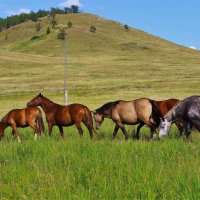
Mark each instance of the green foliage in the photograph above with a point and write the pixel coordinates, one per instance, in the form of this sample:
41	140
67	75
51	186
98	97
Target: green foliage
69	24
126	27
93	29
35	37
61	35
34	16
38	27
53	22
48	31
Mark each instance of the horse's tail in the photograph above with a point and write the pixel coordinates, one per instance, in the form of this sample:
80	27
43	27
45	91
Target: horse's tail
156	114
87	120
40	122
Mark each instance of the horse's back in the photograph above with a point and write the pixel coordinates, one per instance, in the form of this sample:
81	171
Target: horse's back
67	115
132	112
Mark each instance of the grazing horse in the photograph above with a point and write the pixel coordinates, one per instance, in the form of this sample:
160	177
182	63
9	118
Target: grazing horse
187	110
64	115
22	118
164	106
128	112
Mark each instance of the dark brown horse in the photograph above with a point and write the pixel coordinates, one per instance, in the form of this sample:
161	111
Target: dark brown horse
22	118
64	115
164	106
129	112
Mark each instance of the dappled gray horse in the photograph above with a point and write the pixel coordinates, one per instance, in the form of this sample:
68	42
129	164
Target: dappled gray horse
187	110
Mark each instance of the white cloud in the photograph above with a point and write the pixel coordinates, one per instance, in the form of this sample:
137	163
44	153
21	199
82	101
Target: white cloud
192	47
17	12
69	3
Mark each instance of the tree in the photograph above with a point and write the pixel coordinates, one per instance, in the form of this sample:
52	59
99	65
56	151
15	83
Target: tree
93	29
48	30
61	35
74	9
53	22
66	10
126	27
38	27
69	24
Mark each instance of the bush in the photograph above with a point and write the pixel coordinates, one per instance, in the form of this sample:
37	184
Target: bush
61	35
48	30
38	27
126	27
69	24
93	29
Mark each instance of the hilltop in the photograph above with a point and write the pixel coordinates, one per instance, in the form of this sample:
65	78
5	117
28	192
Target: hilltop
110	37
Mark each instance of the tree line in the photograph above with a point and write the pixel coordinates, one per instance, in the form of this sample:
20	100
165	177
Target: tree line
6	23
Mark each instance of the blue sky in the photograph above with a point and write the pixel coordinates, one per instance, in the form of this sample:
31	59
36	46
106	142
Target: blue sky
174	20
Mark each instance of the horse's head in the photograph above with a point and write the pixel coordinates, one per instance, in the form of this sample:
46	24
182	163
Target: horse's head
165	126
36	101
98	118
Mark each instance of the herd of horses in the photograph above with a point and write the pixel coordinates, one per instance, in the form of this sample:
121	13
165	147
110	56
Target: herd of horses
185	114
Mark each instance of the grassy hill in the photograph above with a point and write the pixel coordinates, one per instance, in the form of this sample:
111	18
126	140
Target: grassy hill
124	64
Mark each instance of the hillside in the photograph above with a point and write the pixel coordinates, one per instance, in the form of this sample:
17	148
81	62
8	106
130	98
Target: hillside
110	37
112	61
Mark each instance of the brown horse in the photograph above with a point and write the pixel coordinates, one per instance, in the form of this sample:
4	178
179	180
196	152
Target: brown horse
129	112
22	118
164	106
64	115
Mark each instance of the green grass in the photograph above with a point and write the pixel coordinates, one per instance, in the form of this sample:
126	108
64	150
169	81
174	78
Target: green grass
79	168
108	65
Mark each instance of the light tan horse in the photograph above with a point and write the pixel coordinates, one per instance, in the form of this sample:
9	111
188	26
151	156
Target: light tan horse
22	118
129	112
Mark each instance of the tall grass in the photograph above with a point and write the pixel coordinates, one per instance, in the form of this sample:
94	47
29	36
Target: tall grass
78	168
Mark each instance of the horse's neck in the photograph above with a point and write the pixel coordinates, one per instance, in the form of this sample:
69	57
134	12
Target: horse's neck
107	113
172	115
4	119
47	105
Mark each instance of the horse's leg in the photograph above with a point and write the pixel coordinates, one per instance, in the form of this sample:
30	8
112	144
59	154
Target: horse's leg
138	130
36	130
61	131
151	126
180	127
78	126
14	127
115	131
50	127
13	133
197	124
121	126
188	128
90	129
153	130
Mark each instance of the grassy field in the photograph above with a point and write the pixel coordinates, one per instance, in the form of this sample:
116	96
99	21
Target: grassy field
109	65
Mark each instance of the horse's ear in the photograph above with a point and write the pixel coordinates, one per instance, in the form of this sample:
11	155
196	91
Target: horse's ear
40	95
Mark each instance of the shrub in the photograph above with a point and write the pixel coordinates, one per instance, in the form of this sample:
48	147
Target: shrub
93	29
69	24
61	35
48	30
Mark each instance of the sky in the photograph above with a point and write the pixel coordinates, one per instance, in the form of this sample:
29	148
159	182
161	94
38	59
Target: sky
174	20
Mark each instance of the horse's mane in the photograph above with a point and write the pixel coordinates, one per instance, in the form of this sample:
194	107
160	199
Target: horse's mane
48	100
4	119
107	106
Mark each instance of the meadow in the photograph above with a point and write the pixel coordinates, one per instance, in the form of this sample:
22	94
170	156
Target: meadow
102	67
